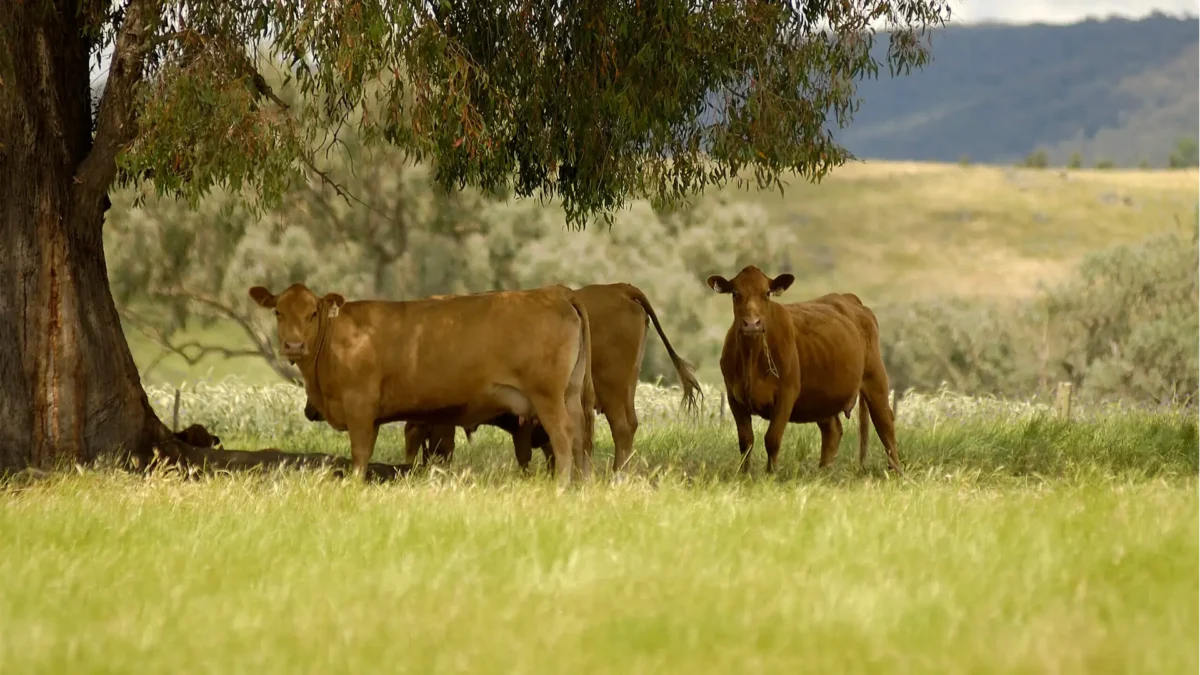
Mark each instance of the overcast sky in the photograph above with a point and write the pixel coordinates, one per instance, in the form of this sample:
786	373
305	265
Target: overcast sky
1064	11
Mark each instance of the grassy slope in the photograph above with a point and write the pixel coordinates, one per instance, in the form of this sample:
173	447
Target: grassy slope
1016	544
890	231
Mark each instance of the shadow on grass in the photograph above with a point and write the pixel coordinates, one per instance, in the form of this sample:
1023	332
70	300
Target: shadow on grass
1134	445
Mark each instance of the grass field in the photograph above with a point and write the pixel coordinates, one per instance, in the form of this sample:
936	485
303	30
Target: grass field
1016	543
897	231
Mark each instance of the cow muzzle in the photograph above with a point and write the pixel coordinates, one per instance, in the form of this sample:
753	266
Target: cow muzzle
753	327
295	350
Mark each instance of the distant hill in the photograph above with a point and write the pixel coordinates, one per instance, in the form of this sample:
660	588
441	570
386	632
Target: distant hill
1119	90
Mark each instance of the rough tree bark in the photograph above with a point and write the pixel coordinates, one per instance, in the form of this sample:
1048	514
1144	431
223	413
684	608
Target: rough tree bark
69	388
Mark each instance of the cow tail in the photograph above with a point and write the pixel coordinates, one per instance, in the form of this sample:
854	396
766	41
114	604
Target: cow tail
687	375
589	392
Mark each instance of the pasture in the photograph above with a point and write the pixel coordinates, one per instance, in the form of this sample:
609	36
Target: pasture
1016	542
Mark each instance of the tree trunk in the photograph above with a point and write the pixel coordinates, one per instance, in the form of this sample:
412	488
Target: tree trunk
69	389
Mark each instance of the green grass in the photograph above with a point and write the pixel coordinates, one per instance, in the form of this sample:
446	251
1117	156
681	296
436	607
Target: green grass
1016	543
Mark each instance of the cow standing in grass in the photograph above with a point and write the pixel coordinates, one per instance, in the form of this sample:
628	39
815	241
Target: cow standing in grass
620	315
801	362
462	360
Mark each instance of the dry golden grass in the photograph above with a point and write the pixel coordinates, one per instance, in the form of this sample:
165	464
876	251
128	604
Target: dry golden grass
895	230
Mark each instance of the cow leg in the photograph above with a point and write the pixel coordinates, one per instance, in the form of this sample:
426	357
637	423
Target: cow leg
583	426
523	444
624	423
363	432
780	416
415	437
881	415
548	452
557	421
441	443
864	432
831	437
745	431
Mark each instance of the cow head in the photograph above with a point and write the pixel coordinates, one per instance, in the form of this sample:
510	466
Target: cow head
751	290
297	317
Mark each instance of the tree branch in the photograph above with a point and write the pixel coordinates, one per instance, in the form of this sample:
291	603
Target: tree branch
265	91
262	344
116	119
318	198
192	351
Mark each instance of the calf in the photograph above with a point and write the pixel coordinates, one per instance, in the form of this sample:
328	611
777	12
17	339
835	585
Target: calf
462	360
801	362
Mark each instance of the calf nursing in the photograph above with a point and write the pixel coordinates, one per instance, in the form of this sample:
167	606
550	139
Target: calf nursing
802	362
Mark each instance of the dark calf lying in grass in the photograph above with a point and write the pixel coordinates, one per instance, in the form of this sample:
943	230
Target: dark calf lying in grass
205	453
198	436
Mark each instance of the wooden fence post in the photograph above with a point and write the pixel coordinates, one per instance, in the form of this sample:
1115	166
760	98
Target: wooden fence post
175	417
1062	400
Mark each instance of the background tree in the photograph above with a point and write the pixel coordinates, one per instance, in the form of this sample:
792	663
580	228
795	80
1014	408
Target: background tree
180	273
1186	153
1036	159
588	101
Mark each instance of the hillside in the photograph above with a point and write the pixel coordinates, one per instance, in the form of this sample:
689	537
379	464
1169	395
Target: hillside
894	232
1122	90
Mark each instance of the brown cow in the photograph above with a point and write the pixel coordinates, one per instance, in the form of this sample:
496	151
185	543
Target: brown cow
620	315
462	360
801	362
868	324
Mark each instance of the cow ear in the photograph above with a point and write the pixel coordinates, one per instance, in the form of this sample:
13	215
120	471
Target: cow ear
263	297
719	284
781	283
335	302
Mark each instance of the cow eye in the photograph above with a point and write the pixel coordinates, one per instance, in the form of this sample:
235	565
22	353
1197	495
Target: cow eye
737	296
277	314
313	317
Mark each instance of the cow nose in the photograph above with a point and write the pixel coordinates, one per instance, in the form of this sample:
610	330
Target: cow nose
293	346
752	323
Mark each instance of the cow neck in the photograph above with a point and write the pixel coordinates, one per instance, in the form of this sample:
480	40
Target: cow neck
750	347
323	321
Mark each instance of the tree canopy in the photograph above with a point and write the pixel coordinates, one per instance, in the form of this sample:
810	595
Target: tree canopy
590	102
